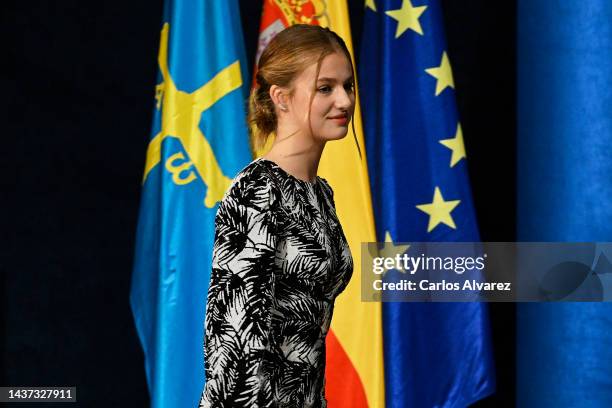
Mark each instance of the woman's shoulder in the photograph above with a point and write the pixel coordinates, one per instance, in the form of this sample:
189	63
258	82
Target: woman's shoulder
326	186
328	191
253	186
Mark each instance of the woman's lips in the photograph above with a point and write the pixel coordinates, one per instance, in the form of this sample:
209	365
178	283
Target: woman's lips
340	120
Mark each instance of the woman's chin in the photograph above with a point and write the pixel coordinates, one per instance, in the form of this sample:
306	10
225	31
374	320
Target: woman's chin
336	135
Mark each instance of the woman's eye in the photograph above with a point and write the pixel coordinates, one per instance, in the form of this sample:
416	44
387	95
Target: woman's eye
325	89
349	86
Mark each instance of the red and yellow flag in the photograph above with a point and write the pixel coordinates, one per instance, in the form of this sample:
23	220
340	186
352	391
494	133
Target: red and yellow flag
354	373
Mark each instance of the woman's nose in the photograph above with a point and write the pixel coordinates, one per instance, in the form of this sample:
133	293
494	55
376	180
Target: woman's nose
344	99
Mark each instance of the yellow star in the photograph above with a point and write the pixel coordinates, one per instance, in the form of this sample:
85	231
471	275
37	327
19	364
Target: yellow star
443	74
390	250
439	210
407	18
456	145
370	4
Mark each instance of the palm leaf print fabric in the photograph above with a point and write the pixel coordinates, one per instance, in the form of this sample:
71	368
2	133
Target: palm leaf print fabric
280	259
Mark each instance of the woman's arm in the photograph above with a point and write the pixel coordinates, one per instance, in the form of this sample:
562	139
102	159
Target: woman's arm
240	298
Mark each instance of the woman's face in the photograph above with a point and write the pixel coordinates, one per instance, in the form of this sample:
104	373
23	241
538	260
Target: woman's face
333	102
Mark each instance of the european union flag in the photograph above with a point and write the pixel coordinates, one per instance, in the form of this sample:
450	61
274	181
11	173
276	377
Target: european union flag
436	354
199	141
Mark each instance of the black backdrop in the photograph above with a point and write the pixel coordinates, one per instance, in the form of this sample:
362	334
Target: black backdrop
77	84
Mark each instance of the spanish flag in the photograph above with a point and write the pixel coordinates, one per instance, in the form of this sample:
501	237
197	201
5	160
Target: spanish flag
354	343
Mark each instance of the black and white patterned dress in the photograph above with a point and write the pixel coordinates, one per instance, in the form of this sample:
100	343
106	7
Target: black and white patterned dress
280	259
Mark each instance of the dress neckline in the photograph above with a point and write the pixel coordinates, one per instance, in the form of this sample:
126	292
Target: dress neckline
289	175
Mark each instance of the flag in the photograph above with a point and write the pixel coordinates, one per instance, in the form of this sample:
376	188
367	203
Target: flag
354	371
564	191
198	143
436	354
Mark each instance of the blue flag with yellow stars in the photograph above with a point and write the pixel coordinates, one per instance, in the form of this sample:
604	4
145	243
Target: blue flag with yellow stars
436	354
199	141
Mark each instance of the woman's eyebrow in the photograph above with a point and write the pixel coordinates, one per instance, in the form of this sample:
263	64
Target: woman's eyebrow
326	79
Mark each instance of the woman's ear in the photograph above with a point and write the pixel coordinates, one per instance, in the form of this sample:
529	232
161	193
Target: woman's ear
279	97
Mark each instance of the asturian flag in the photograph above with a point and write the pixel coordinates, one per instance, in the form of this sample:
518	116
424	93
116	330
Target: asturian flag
199	141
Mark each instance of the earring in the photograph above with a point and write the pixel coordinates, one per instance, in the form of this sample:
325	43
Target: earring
282	106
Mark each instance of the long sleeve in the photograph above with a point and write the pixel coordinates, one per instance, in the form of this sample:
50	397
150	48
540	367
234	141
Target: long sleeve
240	299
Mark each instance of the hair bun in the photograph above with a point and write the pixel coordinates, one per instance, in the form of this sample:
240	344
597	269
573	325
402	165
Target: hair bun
261	80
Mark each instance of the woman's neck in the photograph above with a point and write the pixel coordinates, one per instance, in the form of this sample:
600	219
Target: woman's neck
298	156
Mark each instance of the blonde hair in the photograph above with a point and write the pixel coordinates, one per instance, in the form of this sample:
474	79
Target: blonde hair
286	56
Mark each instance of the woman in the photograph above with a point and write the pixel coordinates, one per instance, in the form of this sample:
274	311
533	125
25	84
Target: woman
280	257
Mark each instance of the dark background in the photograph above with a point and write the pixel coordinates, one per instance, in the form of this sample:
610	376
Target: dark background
77	85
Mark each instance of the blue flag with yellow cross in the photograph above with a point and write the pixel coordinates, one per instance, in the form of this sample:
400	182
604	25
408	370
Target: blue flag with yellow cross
436	354
199	141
